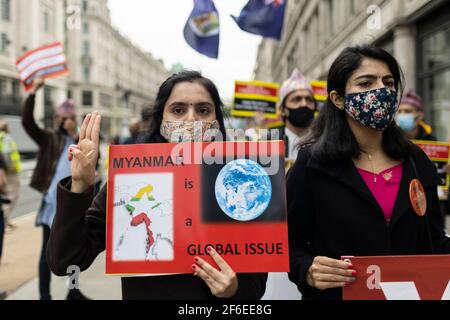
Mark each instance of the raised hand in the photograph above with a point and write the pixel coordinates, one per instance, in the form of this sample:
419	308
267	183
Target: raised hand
84	156
37	84
223	283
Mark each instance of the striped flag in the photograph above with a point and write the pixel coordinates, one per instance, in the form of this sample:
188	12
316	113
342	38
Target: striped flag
47	61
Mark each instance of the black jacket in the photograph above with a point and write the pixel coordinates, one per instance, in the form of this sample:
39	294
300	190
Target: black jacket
332	213
78	236
51	144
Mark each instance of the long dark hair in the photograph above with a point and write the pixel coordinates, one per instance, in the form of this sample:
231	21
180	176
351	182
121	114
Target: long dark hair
332	139
154	135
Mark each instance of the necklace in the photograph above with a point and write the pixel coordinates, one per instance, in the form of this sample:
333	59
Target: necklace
371	164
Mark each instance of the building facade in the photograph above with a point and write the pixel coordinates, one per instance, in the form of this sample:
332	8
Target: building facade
107	72
416	32
25	25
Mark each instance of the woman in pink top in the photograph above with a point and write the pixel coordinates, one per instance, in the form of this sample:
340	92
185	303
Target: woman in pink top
348	192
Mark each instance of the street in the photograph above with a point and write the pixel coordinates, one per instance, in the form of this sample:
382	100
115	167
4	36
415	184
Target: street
29	200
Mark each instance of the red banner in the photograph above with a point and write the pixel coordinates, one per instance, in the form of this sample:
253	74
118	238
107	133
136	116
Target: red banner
435	150
439	153
400	278
319	90
168	202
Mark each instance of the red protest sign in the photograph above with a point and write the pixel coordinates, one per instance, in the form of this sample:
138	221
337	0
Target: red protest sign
439	153
168	202
400	278
255	96
319	89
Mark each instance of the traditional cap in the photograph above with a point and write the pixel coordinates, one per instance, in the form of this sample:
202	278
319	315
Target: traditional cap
297	81
66	109
413	99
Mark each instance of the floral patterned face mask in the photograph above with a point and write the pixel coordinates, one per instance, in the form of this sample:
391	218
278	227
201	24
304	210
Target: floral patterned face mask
374	109
189	131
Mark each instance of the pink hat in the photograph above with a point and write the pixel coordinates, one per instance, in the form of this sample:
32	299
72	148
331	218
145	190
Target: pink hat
66	109
297	81
413	99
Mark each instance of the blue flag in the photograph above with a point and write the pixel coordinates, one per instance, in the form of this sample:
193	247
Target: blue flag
202	28
263	17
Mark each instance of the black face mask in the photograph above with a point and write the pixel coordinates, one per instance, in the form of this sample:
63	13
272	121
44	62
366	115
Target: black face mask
301	118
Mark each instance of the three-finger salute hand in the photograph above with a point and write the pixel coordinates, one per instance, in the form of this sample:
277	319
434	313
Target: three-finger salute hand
84	156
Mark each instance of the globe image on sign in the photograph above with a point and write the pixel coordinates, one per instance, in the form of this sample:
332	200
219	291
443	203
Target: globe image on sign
243	190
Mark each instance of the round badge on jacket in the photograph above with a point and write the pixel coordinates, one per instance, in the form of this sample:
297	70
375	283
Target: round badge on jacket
417	197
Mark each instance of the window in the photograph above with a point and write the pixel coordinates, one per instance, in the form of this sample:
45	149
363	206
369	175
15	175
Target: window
86	73
2	86
86	48
332	15
85	27
85	5
105	100
6	10
69	94
46	22
353	7
4	42
434	77
16	90
88	99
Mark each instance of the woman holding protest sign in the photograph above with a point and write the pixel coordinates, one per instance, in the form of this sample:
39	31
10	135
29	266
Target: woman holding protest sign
78	233
359	187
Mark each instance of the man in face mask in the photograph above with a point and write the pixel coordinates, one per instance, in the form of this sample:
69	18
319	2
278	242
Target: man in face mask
410	117
298	107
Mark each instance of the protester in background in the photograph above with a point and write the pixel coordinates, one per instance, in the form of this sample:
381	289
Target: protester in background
446	206
135	129
3	184
52	166
410	116
79	229
348	193
8	148
298	107
146	119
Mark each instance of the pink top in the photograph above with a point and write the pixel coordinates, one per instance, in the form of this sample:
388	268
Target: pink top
385	189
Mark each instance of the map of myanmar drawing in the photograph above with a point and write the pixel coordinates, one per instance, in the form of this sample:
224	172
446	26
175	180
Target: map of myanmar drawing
143	217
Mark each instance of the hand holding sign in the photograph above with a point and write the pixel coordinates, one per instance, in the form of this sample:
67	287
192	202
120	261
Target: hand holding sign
326	273
223	283
37	84
84	156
